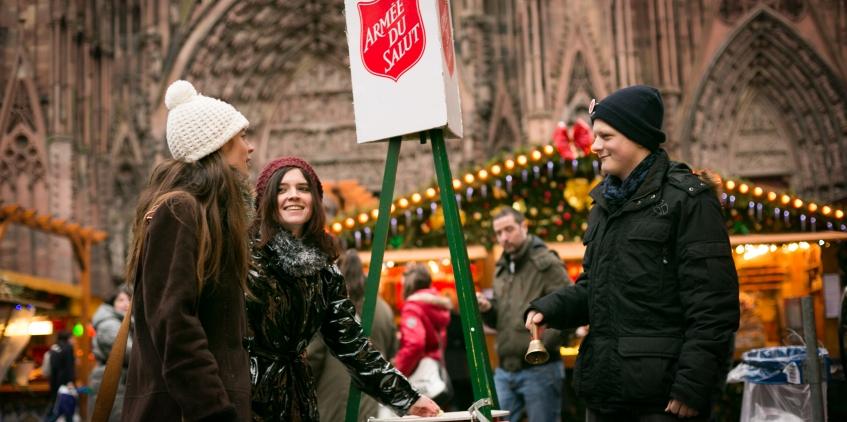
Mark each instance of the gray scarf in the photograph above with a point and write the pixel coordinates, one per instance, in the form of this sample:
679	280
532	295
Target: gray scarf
290	255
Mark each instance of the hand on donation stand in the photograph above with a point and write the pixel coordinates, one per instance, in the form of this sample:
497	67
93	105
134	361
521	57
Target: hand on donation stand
425	407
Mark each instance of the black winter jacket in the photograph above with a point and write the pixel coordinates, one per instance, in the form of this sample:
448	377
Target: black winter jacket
297	293
660	291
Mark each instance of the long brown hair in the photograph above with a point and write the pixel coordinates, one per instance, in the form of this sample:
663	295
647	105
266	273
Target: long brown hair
216	190
267	223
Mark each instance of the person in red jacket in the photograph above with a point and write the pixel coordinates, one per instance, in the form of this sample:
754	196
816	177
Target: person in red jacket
423	322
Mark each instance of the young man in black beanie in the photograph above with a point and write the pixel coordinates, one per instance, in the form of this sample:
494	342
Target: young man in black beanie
659	286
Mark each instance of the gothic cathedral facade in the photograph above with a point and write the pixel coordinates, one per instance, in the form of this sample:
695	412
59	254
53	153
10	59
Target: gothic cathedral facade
753	89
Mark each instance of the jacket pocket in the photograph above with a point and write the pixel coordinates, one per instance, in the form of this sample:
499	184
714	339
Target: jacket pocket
643	257
648	365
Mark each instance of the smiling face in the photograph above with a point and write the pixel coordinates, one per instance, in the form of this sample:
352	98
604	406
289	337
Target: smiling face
294	201
236	152
618	154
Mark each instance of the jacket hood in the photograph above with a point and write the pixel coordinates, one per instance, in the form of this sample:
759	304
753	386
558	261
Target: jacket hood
532	242
430	297
433	304
105	312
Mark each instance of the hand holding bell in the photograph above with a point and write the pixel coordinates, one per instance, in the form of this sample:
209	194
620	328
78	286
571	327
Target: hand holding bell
536	354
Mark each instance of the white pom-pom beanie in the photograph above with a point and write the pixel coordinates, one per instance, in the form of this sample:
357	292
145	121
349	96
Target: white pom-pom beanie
198	125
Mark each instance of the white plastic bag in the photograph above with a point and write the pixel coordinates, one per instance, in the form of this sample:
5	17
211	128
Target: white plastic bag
777	402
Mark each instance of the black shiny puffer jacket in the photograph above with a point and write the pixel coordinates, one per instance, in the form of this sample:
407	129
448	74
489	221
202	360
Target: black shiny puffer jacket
297	293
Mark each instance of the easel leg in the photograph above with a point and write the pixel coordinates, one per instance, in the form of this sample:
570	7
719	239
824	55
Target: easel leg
386	196
480	369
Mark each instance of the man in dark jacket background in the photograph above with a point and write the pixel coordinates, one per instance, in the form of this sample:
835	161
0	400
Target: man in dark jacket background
659	286
526	270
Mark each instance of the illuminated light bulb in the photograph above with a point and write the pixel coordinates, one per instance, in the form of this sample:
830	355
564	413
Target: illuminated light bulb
495	169
785	199
813	207
826	210
743	188
363	218
416	198
522	160
78	330
730	185
430	193
739	249
549	149
536	155
839	214
403	202
509	164
469	178
349	223
798	203
393	208
482	174
771	196
337	227
457	183
757	191
374	213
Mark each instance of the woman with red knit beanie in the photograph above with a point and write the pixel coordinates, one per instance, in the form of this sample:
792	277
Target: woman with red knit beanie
297	291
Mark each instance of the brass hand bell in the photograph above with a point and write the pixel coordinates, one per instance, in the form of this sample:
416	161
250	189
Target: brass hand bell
536	354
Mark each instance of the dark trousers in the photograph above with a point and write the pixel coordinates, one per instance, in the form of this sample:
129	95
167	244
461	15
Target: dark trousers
595	416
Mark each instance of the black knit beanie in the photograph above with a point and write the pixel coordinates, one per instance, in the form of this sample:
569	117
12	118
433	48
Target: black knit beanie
635	111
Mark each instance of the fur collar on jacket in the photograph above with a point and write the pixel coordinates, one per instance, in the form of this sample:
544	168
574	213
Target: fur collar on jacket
290	255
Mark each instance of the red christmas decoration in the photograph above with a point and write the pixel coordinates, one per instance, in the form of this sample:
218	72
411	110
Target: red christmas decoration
583	137
562	141
574	143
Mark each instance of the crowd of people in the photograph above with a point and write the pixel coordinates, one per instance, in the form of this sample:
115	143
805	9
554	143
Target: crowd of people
245	308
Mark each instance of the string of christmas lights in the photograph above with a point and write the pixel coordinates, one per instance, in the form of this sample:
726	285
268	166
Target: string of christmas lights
553	192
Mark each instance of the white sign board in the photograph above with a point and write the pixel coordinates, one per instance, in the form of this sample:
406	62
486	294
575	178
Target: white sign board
403	66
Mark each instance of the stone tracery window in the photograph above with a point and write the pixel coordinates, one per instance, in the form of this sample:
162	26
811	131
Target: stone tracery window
19	159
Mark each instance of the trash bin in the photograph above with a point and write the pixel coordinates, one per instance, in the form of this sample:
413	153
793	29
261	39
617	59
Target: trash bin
775	388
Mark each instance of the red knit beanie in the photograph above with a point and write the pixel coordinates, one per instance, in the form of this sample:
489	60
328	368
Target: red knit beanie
275	165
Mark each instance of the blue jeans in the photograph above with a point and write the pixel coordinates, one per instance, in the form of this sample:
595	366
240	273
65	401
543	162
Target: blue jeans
535	391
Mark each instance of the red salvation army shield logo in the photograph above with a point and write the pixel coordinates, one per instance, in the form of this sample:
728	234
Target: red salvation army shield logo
393	38
446	33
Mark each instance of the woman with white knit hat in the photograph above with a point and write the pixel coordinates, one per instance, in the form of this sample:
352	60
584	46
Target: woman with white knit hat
188	268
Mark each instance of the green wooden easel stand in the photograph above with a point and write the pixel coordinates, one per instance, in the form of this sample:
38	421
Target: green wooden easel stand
477	354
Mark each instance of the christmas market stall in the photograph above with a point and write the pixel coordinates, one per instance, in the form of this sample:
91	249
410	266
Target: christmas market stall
33	309
786	247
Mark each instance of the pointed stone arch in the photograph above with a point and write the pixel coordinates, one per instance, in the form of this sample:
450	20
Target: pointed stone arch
766	67
504	131
127	161
580	64
22	138
23	166
127	172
